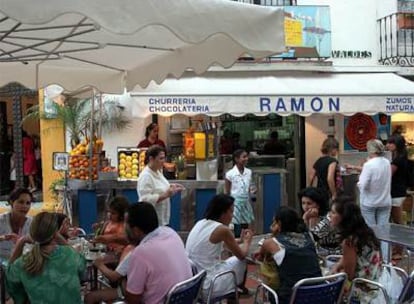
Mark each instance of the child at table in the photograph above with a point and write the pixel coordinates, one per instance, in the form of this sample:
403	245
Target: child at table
112	231
115	276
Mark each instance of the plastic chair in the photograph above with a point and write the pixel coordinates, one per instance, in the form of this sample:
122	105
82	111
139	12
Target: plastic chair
234	293
320	290
186	292
266	293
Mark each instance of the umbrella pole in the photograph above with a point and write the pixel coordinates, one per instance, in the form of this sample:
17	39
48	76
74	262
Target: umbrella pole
91	140
100	116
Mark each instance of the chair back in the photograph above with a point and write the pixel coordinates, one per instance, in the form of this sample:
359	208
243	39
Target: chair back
367	283
186	292
400	272
265	294
320	290
211	298
407	293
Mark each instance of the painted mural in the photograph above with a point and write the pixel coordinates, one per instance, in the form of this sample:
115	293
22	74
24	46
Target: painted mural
307	32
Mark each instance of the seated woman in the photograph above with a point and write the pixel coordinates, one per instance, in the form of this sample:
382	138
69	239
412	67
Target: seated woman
205	244
292	249
16	223
361	248
112	231
316	217
49	273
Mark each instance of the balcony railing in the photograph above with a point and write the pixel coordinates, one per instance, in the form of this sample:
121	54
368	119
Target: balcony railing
397	39
270	2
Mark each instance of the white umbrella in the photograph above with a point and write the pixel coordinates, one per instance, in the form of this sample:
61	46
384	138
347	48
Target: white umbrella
112	45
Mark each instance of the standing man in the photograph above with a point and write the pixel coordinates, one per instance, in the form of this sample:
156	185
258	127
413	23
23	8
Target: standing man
274	146
158	262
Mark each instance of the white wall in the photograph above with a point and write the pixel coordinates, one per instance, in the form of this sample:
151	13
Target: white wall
125	138
386	7
317	130
354	27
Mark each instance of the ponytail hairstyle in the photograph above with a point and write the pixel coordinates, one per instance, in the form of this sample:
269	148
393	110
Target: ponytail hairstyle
42	231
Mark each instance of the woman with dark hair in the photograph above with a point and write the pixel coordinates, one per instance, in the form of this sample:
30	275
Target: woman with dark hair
16	223
112	232
326	170
151	137
292	249
400	175
153	187
237	184
399	165
361	249
205	244
48	273
316	218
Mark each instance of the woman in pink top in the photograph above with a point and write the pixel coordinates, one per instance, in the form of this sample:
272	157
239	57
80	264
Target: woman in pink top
112	231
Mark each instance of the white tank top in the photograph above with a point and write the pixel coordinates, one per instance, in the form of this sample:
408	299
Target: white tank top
200	250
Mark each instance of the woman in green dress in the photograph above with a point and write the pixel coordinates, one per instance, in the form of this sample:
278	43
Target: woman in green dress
49	273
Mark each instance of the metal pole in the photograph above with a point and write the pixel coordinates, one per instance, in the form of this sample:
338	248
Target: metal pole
100	116
17	134
91	144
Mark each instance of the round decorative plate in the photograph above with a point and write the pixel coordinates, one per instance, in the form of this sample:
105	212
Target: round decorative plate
359	130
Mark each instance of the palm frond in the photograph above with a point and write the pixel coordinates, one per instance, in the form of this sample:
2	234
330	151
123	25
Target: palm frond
76	116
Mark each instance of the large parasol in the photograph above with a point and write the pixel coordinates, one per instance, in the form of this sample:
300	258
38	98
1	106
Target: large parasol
111	45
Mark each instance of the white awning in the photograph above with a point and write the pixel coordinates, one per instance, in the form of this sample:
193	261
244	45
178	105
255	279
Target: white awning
282	93
113	45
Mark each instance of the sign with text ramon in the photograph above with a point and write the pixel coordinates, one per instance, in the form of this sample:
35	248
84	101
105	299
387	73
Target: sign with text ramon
144	106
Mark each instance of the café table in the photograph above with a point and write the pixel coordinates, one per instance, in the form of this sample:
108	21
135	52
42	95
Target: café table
394	234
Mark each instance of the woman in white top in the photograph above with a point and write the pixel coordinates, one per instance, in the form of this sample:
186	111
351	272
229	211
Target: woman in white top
375	185
16	223
153	187
205	244
237	184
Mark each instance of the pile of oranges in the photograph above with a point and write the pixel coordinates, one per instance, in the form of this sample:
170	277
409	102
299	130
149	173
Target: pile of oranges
80	161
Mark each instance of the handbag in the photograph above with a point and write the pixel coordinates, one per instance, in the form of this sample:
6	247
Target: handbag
269	273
